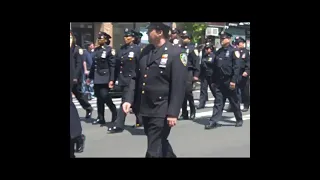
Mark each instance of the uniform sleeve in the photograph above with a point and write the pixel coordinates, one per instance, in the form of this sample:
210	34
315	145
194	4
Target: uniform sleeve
196	65
236	59
112	66
215	70
79	64
177	86
247	66
88	59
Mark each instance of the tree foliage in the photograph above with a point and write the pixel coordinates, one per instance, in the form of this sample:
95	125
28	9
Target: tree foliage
196	29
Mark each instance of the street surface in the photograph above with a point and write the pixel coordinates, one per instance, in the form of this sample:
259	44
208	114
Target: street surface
188	138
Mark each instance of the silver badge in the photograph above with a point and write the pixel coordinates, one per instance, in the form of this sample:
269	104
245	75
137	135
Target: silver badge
227	54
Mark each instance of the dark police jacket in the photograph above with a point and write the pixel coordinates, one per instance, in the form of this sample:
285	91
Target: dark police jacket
226	65
193	59
159	86
207	65
78	58
245	61
75	125
103	66
127	58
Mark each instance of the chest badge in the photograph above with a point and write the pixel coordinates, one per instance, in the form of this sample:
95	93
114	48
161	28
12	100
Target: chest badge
131	54
187	51
80	51
244	56
175	41
227	54
210	59
104	54
184	58
163	61
113	52
196	52
237	54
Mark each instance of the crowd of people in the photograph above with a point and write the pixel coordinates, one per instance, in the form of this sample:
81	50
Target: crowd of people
157	82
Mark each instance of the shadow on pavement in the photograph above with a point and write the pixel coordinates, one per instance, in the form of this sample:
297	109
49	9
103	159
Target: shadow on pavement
205	120
86	120
134	131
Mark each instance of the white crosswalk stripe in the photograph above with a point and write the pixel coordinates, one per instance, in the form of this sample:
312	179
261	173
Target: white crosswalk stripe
206	113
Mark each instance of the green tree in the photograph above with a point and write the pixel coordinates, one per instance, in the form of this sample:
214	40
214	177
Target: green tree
196	29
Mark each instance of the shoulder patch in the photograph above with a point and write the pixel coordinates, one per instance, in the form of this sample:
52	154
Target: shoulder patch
196	52
237	54
184	58
80	51
113	52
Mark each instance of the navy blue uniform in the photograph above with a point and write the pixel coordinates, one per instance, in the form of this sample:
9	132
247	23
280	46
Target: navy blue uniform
244	82
226	70
102	72
193	71
128	55
206	73
157	91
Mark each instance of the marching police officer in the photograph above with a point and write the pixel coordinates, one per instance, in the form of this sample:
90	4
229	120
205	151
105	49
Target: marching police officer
206	73
244	81
77	86
226	74
158	89
175	39
137	38
193	74
102	73
128	56
75	125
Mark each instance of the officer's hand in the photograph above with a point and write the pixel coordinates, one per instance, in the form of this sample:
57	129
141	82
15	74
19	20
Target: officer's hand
126	107
172	121
232	85
88	81
75	80
87	72
111	84
245	74
195	78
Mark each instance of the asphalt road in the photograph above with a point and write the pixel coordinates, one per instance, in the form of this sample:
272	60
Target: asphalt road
188	138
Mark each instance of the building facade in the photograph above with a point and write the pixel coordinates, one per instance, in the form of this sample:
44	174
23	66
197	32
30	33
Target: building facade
88	31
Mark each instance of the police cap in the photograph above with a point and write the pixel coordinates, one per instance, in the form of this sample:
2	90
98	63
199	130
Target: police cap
159	25
185	34
239	39
175	31
138	34
208	45
224	34
103	35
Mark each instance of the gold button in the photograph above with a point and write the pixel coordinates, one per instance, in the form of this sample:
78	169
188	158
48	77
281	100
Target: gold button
142	92
144	84
145	75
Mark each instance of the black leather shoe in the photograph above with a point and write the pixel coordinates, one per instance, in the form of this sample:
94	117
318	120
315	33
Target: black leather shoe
193	114
99	121
183	117
239	123
80	143
200	107
114	130
212	125
89	112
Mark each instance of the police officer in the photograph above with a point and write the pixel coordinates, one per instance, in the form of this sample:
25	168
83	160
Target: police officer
175	39
102	73
128	56
137	38
158	89
75	125
206	73
78	73
193	74
226	74
244	81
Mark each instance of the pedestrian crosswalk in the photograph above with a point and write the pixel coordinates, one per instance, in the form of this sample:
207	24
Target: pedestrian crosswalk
206	112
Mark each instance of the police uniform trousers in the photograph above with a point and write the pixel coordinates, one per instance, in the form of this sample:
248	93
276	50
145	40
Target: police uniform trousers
222	91
76	90
205	82
75	126
157	131
244	86
188	95
102	93
121	116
